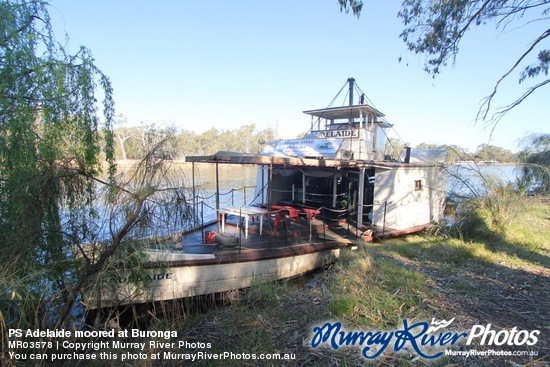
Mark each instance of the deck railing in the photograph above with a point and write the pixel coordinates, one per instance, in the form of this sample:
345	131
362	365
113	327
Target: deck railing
204	207
205	211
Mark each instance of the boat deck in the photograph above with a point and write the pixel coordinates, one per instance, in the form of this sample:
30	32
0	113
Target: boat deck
288	234
370	233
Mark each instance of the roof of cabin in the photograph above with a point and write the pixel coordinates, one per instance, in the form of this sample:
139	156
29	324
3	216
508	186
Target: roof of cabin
225	157
345	112
426	155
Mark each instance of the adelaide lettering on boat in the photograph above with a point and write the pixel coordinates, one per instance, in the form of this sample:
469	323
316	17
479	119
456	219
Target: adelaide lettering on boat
148	277
340	134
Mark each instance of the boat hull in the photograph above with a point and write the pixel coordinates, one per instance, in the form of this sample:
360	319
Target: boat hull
188	278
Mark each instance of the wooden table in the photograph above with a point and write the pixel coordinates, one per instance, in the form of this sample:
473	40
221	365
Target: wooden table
245	212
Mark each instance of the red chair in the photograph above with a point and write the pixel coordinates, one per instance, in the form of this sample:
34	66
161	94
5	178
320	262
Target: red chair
311	213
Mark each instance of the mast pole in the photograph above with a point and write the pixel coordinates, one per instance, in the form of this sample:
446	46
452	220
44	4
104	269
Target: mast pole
351	82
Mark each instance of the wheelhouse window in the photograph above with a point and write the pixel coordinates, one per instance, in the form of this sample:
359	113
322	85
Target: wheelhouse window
418	185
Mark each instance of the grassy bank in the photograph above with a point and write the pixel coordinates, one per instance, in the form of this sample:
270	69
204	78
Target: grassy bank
501	278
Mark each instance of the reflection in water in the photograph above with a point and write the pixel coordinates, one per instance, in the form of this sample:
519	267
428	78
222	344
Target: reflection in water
237	188
236	184
168	219
467	180
230	176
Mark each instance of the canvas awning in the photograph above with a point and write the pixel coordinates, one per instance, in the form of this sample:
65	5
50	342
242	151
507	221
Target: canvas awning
257	159
243	158
345	112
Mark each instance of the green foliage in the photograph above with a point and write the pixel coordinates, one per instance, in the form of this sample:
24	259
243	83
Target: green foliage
540	66
51	141
263	291
354	5
373	290
450	252
487	215
393	149
134	140
436	28
343	305
486	152
536	163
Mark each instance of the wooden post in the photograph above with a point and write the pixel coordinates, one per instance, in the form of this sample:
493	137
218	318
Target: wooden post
195	206
334	190
361	194
303	188
217	195
269	183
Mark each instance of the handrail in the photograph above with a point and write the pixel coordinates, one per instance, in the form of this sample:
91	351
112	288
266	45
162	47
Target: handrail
326	214
226	193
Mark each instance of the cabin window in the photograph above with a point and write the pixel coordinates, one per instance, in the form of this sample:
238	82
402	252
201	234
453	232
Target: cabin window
418	185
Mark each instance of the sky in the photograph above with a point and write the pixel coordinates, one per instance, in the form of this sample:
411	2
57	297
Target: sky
196	65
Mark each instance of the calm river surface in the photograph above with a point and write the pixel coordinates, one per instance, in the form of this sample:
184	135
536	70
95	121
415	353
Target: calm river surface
462	179
237	186
238	176
465	179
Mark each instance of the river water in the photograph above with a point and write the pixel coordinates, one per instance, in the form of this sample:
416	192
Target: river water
236	184
470	179
237	177
237	188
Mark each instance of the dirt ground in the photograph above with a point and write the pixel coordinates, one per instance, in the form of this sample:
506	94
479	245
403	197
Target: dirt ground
497	295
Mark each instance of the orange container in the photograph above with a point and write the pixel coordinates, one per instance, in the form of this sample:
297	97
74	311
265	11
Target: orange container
209	236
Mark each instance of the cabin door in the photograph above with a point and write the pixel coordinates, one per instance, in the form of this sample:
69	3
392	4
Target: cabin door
361	194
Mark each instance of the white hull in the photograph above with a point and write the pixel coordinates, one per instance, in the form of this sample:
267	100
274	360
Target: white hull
178	280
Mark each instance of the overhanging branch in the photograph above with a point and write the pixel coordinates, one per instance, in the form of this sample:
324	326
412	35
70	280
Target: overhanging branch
495	119
486	105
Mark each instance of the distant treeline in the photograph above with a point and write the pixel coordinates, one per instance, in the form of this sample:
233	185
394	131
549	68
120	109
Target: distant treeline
534	145
133	142
484	152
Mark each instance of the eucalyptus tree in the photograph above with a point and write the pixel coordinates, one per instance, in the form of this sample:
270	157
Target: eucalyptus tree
487	152
436	28
122	133
393	148
535	159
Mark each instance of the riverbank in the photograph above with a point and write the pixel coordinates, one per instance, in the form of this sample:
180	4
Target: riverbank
499	281
503	282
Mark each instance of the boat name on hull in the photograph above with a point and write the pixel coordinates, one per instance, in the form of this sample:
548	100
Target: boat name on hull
153	276
340	134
